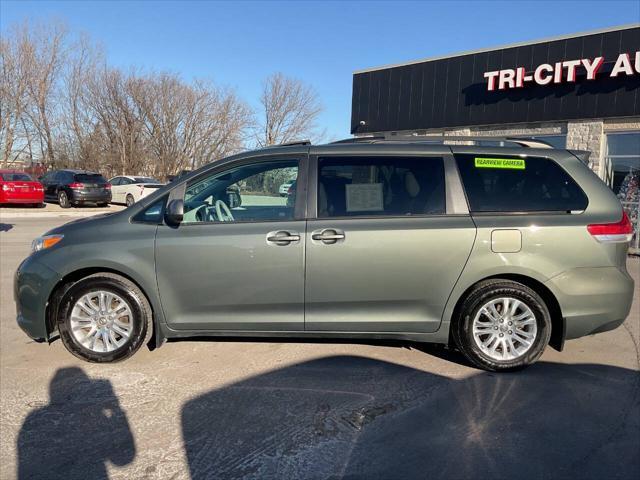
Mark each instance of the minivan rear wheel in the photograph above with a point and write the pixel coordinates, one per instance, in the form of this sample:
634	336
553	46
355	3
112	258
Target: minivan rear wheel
503	325
104	318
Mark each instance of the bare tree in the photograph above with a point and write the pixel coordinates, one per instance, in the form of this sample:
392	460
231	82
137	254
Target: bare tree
189	125
46	57
14	71
61	104
290	110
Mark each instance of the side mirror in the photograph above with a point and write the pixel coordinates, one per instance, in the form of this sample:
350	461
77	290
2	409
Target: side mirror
174	213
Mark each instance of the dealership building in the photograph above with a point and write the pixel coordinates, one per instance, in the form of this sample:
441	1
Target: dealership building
577	91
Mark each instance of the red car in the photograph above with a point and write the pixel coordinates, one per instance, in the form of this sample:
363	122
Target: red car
19	187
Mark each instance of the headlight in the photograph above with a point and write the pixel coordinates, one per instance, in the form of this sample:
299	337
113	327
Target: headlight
47	241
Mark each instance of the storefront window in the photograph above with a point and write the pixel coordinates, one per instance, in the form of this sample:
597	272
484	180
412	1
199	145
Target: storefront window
623	164
622	173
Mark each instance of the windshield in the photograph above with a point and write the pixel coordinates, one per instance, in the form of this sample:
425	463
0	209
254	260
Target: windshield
16	177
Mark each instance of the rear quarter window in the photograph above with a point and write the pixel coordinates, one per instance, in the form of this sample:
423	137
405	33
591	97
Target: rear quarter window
516	184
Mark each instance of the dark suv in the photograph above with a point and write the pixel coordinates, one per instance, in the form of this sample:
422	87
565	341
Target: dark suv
76	187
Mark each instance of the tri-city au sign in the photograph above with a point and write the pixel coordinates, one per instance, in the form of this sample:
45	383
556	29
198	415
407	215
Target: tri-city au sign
559	72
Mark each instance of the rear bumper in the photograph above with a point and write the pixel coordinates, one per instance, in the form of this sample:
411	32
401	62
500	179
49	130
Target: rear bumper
81	197
592	300
33	283
35	197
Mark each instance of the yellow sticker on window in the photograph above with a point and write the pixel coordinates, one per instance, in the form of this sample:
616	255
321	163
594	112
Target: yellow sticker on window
506	163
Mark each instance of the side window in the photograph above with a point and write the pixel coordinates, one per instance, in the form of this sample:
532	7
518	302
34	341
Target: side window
515	184
125	181
249	193
60	177
115	181
153	213
385	186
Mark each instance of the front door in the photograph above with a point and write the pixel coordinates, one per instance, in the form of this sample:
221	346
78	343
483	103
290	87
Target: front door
385	250
236	262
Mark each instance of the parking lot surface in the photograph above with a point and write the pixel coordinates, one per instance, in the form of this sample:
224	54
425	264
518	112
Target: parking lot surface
292	410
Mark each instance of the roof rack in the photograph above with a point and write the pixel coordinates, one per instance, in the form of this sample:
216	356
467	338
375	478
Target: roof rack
521	141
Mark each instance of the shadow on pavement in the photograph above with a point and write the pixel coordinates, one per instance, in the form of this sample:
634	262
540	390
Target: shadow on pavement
5	227
352	417
76	433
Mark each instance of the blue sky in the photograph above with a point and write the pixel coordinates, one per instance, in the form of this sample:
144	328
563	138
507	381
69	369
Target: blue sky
238	44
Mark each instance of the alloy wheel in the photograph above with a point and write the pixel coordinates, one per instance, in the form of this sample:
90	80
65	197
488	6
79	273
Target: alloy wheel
101	321
504	329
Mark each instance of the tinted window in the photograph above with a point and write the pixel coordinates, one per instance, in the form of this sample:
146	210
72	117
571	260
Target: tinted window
249	193
15	177
153	213
392	186
516	184
115	181
62	177
48	177
89	178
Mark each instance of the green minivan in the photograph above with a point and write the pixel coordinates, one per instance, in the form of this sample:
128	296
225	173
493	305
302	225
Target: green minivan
498	251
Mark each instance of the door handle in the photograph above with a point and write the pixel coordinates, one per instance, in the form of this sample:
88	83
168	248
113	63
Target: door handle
328	236
282	238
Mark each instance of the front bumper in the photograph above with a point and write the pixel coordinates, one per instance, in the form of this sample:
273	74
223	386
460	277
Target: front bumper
32	287
592	300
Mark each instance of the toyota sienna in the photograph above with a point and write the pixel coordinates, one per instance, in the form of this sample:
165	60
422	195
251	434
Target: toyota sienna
497	251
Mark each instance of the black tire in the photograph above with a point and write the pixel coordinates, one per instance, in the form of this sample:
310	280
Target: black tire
484	292
63	199
140	309
130	200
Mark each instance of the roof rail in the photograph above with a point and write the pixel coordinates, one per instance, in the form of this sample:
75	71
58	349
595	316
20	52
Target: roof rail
295	142
359	139
521	141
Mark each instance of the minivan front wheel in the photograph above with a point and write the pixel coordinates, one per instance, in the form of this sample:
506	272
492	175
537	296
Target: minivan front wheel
104	318
503	325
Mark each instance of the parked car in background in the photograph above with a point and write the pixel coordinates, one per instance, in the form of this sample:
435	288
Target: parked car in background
19	187
284	188
128	190
76	187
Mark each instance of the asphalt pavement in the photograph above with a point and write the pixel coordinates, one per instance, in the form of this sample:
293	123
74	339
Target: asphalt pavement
290	410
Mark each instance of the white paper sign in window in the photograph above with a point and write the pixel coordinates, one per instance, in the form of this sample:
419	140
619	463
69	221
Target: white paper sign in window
364	197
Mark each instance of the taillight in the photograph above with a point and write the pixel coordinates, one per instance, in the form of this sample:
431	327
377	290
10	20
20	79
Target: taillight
76	185
107	186
618	232
39	188
7	188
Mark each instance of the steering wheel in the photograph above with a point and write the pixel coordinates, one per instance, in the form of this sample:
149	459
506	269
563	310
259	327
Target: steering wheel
223	212
203	214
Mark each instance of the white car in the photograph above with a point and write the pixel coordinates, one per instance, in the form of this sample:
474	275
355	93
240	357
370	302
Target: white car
284	188
129	190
